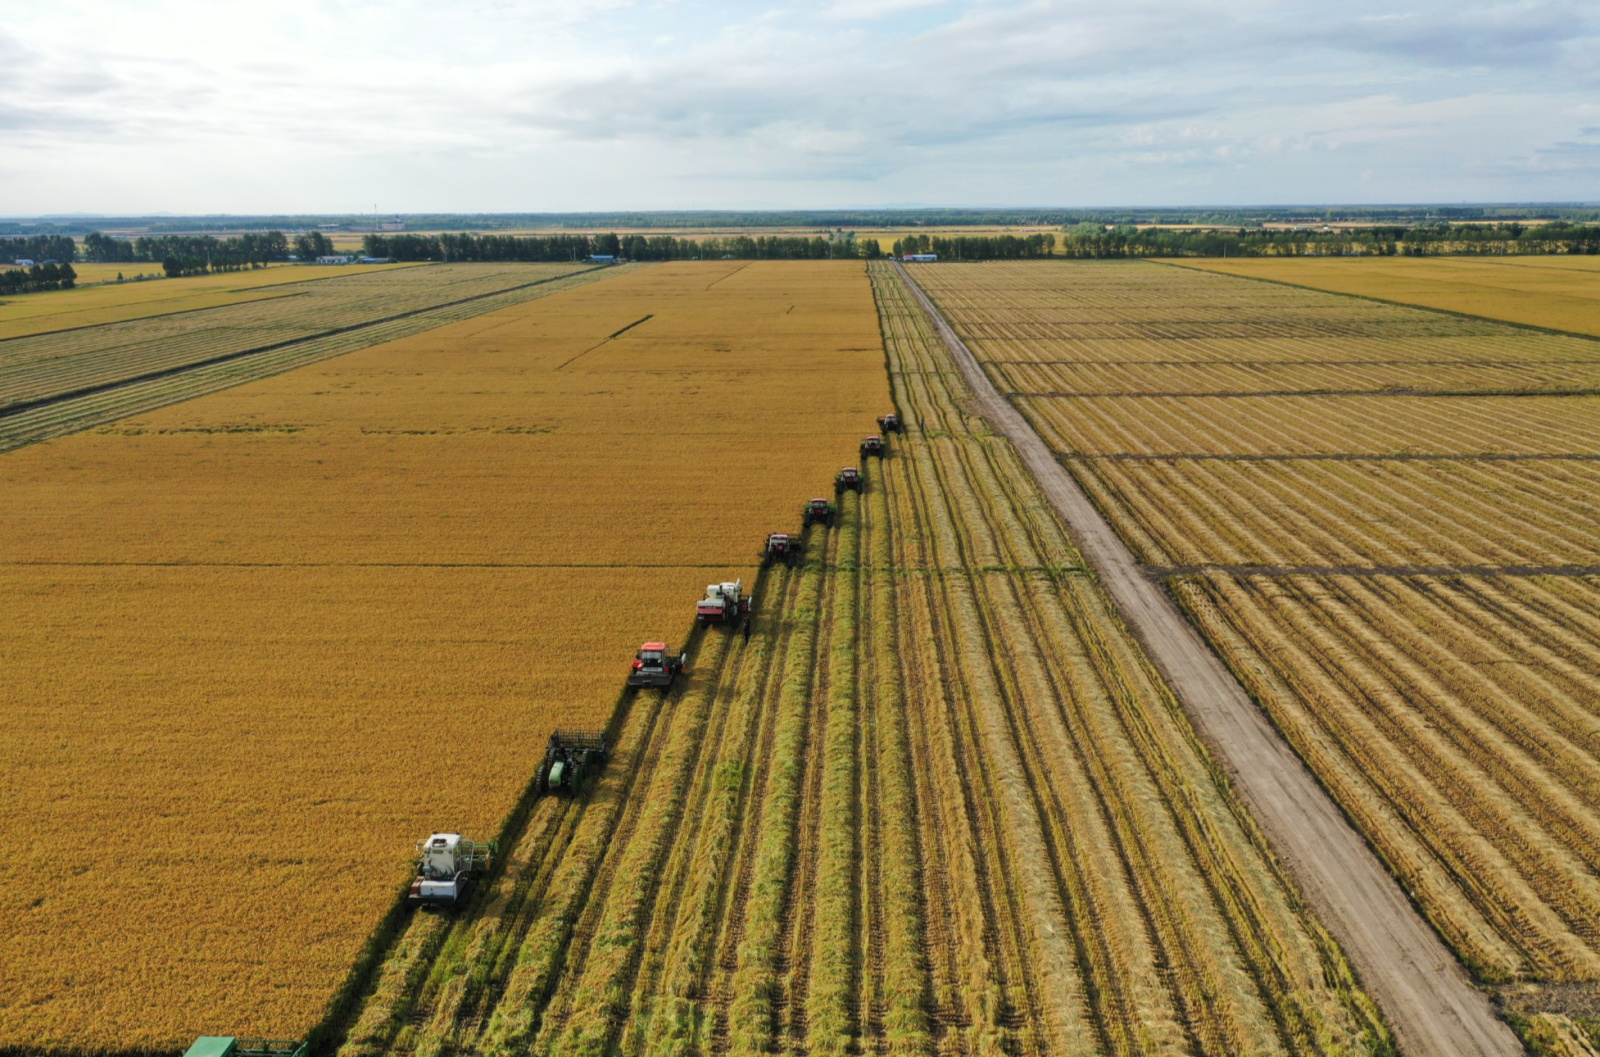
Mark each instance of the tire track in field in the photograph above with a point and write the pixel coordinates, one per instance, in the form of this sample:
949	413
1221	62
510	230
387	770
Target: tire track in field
1426	996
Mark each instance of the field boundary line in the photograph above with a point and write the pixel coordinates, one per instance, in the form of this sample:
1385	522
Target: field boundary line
1382	301
1162	572
1426	996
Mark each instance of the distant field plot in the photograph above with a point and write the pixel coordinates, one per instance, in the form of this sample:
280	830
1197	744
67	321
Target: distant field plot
91	306
258	643
90	272
58	382
1383	519
1562	293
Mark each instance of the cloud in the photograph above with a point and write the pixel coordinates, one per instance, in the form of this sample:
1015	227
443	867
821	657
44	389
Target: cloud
674	103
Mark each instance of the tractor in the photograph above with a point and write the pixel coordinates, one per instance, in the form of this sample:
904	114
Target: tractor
655	665
229	1046
569	757
724	603
818	510
890	423
847	479
448	868
873	446
782	547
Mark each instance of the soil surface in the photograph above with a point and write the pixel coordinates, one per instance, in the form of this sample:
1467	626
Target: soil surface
1430	1003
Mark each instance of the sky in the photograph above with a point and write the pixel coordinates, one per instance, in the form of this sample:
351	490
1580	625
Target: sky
563	105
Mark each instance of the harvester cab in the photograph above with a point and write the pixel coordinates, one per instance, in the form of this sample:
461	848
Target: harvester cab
782	547
890	423
230	1046
724	603
569	757
818	510
656	665
872	446
448	868
847	479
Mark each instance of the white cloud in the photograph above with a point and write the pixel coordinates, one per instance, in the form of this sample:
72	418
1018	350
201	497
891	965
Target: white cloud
184	106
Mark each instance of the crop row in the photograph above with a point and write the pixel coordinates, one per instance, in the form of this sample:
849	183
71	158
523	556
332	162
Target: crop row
1269	377
1318	512
56	418
1454	718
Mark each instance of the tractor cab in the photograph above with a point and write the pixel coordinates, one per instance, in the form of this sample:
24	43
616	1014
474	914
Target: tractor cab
890	423
872	446
656	665
847	479
818	511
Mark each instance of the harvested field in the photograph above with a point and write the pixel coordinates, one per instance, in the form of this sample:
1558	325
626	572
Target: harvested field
938	802
1558	292
262	641
1404	582
100	304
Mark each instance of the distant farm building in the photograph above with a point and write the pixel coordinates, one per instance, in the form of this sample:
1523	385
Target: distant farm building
920	257
392	225
377	260
334	258
23	262
603	258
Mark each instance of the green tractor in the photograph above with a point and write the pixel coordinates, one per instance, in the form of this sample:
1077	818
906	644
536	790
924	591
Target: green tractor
229	1046
569	758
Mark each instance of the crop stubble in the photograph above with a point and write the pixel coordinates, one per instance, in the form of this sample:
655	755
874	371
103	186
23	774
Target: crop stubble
1404	582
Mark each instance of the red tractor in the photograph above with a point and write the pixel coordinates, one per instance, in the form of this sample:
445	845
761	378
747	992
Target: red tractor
890	423
655	665
782	547
819	510
873	447
847	479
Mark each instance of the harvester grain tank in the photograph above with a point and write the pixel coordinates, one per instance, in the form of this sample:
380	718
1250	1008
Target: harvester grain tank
890	423
569	757
873	446
724	603
656	665
784	547
847	479
448	868
818	511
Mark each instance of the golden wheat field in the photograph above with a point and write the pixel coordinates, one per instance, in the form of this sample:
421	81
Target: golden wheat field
262	641
1382	518
114	302
1559	292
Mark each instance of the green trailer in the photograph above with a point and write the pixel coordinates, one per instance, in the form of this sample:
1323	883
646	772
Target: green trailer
230	1046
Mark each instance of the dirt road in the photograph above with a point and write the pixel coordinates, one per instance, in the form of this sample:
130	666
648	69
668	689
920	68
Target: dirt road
1427	998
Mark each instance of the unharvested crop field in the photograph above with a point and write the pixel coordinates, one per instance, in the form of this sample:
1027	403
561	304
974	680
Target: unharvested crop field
938	802
1403	572
259	642
1558	292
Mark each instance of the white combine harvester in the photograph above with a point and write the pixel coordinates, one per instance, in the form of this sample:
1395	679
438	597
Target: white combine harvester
724	603
448	868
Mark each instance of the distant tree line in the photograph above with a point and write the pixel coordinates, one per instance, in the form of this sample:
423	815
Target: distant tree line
978	247
1086	240
37	278
465	247
37	248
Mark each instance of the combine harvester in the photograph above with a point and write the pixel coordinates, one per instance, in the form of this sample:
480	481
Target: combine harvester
448	868
890	423
873	447
569	758
654	665
847	480
724	603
